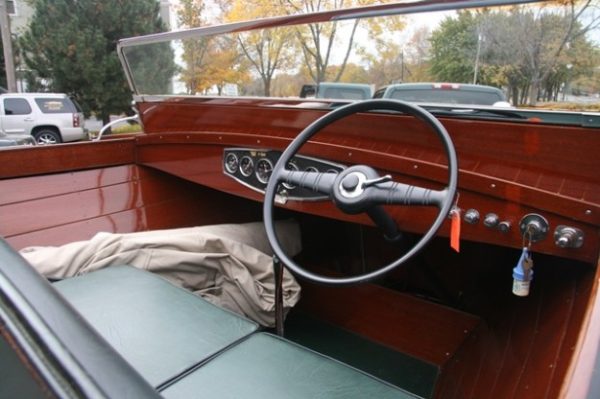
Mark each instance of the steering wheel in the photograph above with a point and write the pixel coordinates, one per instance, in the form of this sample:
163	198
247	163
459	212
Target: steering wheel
360	188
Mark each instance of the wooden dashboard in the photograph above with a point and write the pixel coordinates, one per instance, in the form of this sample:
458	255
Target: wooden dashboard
508	169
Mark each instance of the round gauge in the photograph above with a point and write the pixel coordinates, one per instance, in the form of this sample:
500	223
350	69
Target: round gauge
264	167
311	169
293	167
246	166
231	163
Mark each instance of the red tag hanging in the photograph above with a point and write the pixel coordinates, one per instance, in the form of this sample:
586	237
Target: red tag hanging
455	229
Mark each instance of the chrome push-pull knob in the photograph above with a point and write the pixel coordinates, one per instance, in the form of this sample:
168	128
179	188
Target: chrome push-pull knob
491	220
568	237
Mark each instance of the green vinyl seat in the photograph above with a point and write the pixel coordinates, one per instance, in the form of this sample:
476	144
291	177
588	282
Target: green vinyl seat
186	347
267	366
160	329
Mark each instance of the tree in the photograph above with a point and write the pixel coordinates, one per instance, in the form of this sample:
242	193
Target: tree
552	34
539	43
227	65
268	50
195	51
317	40
72	45
454	47
526	49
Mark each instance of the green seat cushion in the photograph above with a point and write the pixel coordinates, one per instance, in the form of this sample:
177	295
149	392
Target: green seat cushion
266	366
160	329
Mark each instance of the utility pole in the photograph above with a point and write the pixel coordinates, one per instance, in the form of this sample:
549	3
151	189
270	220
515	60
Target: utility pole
9	60
476	71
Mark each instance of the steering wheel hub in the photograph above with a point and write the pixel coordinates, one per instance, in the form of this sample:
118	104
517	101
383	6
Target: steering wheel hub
352	185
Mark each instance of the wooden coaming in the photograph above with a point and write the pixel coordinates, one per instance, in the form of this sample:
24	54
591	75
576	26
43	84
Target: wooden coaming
28	161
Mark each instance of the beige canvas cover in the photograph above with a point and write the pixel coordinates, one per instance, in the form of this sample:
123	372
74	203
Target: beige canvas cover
230	265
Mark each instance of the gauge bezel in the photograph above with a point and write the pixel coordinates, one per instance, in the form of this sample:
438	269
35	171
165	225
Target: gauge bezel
242	171
237	161
256	170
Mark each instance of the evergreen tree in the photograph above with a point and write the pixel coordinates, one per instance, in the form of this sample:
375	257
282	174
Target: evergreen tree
453	48
71	44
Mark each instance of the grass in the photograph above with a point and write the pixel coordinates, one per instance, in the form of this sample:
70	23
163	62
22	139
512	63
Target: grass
560	106
126	128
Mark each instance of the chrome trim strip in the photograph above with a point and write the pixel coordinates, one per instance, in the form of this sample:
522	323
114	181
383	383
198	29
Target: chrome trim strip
445	6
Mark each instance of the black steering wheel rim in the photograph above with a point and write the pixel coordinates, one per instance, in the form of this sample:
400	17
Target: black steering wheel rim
314	128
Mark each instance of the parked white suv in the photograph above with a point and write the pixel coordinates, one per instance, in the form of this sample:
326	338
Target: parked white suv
49	117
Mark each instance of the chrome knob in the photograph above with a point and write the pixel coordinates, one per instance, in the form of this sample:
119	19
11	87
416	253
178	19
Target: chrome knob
491	220
568	237
564	241
504	226
471	216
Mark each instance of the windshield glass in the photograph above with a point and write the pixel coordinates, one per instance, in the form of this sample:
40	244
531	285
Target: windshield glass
538	56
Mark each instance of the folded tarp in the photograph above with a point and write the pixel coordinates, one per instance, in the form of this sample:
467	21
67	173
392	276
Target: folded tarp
230	265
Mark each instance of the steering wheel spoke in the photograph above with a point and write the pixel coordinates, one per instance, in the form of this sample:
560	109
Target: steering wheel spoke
393	193
315	181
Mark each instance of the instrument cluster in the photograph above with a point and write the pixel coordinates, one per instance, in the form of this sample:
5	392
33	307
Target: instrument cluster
253	168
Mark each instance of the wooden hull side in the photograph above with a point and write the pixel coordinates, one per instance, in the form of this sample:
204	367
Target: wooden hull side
525	346
55	209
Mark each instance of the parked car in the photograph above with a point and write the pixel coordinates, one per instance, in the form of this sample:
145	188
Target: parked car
337	90
446	93
49	117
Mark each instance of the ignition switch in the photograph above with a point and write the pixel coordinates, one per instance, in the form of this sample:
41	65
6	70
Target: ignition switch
534	227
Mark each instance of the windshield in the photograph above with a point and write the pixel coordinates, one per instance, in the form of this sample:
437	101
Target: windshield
539	56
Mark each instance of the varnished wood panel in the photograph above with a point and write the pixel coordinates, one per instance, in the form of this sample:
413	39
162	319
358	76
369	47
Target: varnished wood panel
59	208
583	354
519	347
37	187
200	161
39	160
556	159
423	330
523	347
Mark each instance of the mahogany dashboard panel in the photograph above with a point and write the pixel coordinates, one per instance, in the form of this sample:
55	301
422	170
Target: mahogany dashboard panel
199	158
545	162
507	168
